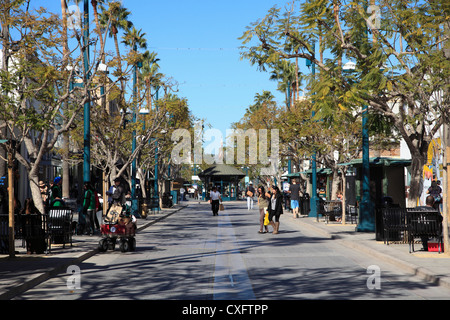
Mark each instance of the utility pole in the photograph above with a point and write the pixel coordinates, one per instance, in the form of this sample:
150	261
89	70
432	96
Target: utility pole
87	105
313	199
446	191
156	208
366	211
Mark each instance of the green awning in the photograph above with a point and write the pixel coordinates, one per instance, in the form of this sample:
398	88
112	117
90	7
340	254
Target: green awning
380	161
292	175
374	161
219	170
323	171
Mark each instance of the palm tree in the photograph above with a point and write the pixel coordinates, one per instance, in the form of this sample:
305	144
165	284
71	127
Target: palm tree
135	39
287	74
266	98
117	17
98	29
150	74
65	155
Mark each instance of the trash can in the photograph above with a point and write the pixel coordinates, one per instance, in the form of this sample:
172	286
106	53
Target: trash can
167	201
305	206
154	202
287	201
174	197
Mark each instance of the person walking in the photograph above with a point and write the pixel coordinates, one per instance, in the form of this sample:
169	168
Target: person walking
263	204
56	193
89	208
32	228
215	199
294	190
119	194
430	204
182	194
436	191
250	193
44	194
275	208
110	193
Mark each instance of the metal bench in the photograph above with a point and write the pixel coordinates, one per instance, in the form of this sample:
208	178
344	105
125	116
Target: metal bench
32	231
424	223
59	221
328	208
394	224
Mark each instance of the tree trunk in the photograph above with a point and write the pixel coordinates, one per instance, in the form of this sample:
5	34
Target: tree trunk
11	202
119	59
5	60
105	186
416	185
335	184
36	192
98	29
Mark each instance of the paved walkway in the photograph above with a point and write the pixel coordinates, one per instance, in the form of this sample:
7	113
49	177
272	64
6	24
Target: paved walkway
431	266
26	271
23	272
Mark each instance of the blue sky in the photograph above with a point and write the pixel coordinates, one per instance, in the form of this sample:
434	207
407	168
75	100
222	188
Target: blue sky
197	42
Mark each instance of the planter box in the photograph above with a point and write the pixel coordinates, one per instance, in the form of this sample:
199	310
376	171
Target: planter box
434	247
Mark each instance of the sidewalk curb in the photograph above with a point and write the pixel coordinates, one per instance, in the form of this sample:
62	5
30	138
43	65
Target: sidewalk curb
44	276
421	272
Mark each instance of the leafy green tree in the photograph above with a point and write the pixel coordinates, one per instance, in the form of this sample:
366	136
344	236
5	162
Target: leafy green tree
262	115
401	70
38	104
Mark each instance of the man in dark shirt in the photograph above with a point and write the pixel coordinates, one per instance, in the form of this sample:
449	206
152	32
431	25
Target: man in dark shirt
294	190
119	194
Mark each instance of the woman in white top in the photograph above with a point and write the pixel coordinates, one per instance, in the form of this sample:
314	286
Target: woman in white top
215	200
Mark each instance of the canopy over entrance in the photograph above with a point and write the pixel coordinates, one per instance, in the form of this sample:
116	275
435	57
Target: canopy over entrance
225	178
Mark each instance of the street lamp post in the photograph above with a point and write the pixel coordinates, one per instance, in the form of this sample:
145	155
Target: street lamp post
289	108
313	200
134	200
366	221
156	191
87	105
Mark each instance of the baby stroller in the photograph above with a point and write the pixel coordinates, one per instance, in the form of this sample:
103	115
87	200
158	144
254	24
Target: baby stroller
119	225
